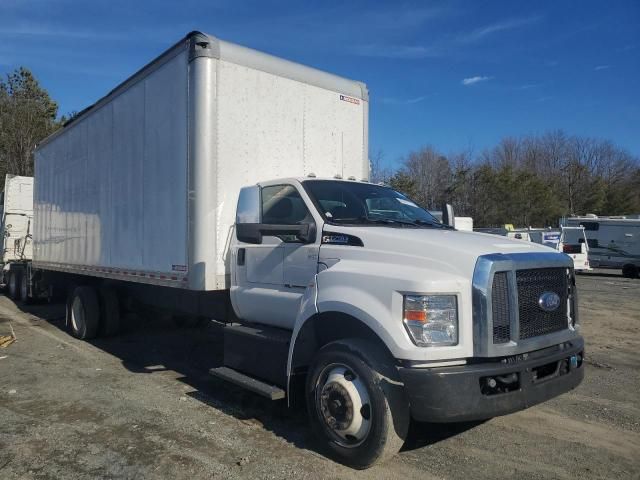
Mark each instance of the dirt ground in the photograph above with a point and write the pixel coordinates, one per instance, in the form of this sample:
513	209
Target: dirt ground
142	405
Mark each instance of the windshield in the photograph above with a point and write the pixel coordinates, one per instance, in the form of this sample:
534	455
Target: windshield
354	203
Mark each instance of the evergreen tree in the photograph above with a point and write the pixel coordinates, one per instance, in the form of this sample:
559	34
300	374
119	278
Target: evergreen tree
27	115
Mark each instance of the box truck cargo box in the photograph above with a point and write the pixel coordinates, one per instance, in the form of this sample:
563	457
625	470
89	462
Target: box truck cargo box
143	185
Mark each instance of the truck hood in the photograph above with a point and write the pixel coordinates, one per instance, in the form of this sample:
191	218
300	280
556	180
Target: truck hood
451	251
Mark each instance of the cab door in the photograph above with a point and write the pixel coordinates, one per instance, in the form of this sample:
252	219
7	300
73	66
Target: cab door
270	277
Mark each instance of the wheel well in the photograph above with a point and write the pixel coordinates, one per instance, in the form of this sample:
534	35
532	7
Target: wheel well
327	327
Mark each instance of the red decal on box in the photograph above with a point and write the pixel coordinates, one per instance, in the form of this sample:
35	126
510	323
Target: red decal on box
355	101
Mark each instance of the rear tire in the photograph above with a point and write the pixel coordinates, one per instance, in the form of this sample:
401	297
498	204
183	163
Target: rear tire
356	402
630	271
15	277
83	313
109	312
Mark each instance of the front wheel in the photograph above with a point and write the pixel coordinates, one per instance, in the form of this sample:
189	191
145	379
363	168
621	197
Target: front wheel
356	402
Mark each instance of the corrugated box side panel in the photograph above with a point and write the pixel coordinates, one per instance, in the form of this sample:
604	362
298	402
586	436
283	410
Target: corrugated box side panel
111	190
272	127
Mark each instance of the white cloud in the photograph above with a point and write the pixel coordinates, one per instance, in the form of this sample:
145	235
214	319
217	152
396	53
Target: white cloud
510	24
45	30
473	80
602	67
405	101
409	52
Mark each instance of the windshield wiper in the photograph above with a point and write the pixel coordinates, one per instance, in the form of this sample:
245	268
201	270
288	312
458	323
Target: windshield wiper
394	221
434	224
390	221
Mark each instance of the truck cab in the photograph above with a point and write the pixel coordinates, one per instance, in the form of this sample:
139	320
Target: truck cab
390	315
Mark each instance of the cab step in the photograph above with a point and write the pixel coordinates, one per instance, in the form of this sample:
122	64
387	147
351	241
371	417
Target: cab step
245	381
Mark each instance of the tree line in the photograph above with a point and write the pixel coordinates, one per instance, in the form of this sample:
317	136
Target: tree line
531	180
526	181
27	115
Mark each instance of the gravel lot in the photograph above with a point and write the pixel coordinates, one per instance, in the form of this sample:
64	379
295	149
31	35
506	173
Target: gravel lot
141	405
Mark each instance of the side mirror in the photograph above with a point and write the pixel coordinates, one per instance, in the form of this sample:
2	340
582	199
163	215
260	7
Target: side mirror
249	226
448	217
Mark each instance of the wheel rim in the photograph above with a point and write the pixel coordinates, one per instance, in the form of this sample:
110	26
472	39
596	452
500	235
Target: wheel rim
344	405
77	314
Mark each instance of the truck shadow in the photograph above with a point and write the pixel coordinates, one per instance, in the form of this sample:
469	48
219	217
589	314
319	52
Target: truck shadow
151	345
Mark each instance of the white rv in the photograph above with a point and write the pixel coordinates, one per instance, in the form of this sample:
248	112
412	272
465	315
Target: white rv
614	242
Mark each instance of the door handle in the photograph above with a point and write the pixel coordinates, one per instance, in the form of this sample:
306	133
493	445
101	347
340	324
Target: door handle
241	256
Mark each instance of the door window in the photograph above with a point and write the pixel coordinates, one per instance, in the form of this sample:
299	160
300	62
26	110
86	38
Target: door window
283	205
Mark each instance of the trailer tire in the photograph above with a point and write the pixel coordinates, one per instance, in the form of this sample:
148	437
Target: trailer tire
15	278
109	312
630	271
24	288
83	313
356	402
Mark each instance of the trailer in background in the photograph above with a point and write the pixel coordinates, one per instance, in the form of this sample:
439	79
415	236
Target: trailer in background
613	242
573	242
16	204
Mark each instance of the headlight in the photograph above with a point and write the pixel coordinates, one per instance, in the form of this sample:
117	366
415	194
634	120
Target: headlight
431	320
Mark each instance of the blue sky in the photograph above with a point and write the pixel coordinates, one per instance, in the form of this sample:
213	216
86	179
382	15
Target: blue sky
456	75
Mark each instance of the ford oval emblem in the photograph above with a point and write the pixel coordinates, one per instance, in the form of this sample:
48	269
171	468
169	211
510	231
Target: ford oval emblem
549	301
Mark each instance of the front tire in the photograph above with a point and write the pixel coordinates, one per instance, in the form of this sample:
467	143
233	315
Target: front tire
356	402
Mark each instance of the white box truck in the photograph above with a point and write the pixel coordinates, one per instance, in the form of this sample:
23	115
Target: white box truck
224	183
16	204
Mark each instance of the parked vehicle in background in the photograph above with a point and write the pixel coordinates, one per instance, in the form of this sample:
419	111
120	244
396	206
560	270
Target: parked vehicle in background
574	243
549	238
16	229
464	224
569	240
613	242
223	183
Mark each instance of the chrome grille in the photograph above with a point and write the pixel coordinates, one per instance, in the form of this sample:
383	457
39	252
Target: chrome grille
531	284
501	307
496	281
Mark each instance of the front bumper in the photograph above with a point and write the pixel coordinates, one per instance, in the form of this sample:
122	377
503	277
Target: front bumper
464	393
